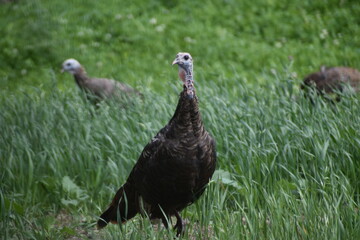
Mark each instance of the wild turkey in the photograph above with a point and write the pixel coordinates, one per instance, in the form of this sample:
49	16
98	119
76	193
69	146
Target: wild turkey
174	168
331	79
96	88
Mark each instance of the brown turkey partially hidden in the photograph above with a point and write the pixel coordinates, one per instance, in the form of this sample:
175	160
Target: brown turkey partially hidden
332	79
96	88
174	168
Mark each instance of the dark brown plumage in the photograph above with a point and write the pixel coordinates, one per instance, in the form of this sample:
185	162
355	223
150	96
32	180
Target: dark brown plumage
329	80
174	168
96	88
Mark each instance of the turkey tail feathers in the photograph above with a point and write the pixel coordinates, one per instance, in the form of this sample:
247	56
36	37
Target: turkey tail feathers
122	208
106	217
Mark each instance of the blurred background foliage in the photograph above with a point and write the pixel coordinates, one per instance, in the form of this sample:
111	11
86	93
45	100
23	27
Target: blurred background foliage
135	40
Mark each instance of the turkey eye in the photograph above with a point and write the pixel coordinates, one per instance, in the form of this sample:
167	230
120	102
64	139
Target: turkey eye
68	64
186	57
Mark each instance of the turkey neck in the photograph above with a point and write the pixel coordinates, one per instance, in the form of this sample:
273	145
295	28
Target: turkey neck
189	82
81	77
187	116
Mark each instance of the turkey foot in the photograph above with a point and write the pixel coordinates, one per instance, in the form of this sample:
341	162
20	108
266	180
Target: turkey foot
180	225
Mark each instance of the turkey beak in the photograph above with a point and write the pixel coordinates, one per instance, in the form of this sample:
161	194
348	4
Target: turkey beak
176	61
62	70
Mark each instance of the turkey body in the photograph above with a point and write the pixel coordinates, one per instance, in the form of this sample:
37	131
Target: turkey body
97	88
171	172
101	87
332	79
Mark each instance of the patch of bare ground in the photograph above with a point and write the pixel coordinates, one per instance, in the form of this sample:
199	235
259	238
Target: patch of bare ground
201	232
76	227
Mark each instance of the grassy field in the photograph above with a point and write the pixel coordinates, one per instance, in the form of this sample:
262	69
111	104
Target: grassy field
286	169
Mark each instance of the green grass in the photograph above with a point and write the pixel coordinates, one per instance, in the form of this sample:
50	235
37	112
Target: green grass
286	169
